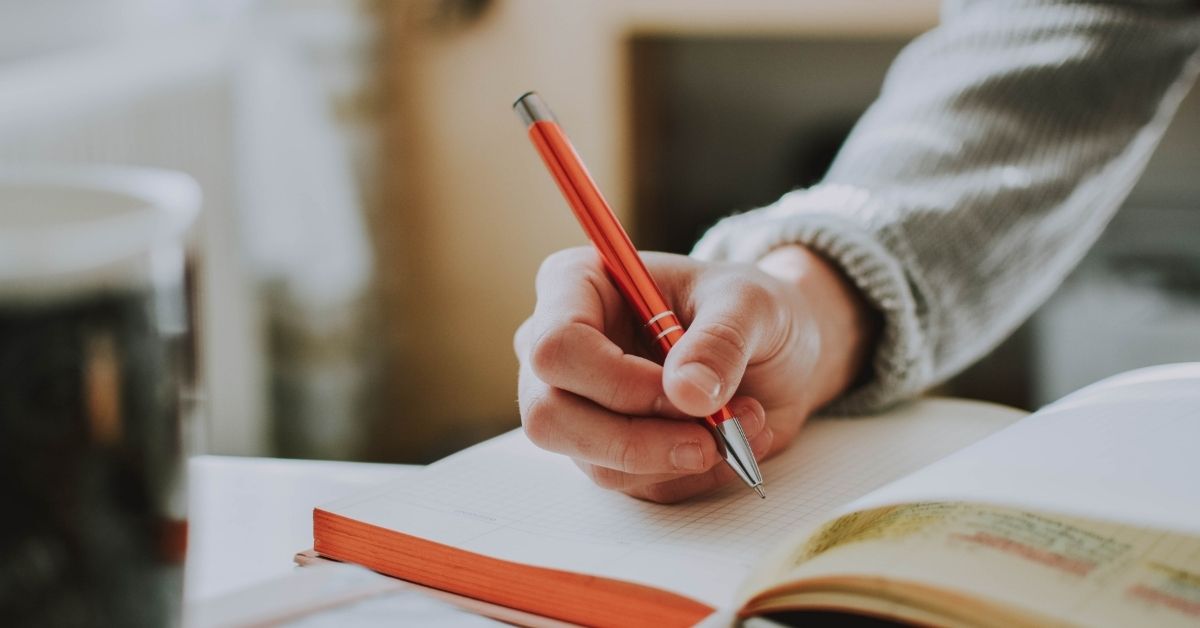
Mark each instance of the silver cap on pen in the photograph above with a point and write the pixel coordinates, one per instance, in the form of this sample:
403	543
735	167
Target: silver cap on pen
531	108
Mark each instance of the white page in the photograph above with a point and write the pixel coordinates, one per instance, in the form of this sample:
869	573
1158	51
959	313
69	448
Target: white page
509	500
1124	450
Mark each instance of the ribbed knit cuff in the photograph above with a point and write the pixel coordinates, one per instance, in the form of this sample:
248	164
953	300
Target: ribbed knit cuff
845	225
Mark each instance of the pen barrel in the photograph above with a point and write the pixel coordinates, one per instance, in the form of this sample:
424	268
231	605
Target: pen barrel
620	258
719	417
663	331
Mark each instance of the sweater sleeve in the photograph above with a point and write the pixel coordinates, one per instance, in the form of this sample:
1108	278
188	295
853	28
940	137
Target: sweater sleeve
1000	145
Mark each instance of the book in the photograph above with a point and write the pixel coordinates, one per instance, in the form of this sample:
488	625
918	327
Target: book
943	512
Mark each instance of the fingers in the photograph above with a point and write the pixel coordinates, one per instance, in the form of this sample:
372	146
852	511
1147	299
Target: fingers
566	423
671	489
631	454
584	394
580	359
571	288
731	325
660	488
566	343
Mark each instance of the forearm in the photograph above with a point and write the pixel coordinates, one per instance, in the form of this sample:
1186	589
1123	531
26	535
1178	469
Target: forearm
1000	146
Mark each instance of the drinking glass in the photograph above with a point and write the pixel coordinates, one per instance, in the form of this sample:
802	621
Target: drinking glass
95	364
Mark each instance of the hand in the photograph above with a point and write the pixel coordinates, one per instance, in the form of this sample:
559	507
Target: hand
775	341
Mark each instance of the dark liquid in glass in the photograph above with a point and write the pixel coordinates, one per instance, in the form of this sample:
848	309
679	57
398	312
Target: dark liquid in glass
91	530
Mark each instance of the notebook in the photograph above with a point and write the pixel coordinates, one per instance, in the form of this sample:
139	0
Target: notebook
942	511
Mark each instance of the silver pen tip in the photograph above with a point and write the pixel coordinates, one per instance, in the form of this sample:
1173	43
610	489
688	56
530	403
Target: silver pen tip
761	493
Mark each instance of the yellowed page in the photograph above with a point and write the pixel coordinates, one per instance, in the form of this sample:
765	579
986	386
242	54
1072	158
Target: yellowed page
1058	569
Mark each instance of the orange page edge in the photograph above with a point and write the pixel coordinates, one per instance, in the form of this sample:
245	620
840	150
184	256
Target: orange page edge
563	595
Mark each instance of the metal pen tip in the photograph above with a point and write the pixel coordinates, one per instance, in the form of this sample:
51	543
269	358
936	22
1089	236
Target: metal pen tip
761	493
732	443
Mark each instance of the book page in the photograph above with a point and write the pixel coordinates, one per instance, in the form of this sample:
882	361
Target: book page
1124	450
999	566
510	500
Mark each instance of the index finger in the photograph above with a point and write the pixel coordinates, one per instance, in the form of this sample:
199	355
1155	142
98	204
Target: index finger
572	288
574	339
564	296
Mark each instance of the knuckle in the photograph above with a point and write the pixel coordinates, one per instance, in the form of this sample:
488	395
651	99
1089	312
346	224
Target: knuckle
724	340
614	395
752	293
563	259
620	393
625	454
661	493
539	419
548	350
606	478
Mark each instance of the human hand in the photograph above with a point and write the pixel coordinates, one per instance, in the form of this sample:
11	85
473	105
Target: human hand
775	341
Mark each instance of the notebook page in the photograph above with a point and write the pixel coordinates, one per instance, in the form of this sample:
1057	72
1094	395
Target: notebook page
510	500
1124	450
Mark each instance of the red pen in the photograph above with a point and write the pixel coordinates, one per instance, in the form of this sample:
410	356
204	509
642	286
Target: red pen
624	266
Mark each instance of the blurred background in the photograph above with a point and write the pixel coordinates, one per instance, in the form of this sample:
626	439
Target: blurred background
374	215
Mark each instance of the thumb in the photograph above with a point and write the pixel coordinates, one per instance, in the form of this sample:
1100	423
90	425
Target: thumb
704	369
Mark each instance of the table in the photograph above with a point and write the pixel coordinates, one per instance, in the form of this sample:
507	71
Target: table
247	519
249	516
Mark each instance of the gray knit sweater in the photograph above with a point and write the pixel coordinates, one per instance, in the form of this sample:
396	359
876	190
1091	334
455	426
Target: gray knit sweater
1001	144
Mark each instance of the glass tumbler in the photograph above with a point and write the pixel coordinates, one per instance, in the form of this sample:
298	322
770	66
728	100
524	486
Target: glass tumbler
95	361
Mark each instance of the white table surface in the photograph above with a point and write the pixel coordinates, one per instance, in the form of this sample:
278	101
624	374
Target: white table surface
247	517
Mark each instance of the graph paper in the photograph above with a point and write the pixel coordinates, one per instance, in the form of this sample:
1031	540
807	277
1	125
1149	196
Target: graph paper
510	500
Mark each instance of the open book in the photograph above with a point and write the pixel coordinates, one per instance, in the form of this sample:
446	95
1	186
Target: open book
941	512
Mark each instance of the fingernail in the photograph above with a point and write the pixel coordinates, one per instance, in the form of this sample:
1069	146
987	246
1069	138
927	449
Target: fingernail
687	457
703	378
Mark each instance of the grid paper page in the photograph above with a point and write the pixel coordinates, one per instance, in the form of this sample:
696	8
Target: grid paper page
507	499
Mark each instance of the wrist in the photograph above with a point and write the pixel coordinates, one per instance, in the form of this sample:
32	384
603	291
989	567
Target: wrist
847	324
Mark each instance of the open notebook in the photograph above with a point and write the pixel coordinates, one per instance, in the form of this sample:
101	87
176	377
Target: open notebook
854	501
